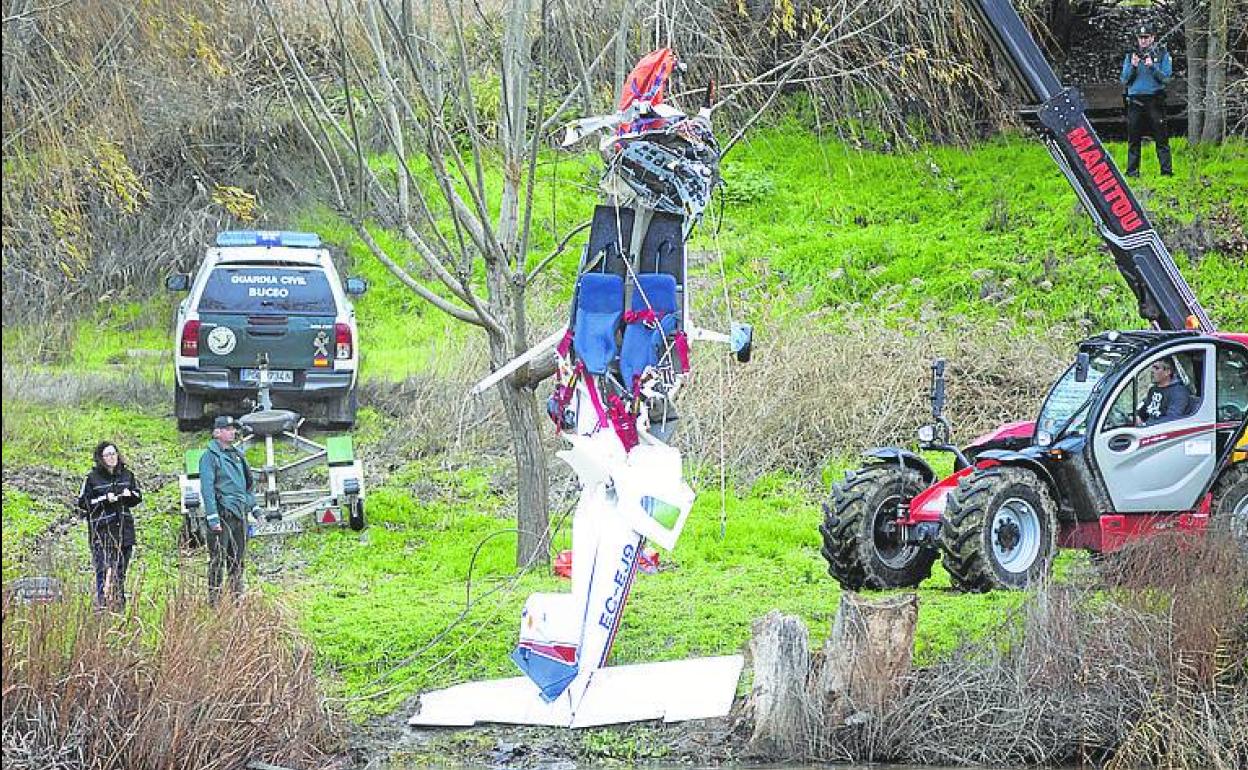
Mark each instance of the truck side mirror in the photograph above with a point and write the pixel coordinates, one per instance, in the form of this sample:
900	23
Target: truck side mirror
1082	362
356	286
178	282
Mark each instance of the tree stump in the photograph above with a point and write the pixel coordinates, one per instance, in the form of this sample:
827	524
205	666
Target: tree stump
798	697
863	665
777	707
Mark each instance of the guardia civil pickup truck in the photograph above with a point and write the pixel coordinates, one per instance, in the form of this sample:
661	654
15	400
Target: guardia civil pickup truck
266	298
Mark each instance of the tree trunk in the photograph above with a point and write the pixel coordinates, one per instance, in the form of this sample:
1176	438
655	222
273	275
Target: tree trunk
532	484
507	296
1194	31
514	120
797	698
1215	71
621	48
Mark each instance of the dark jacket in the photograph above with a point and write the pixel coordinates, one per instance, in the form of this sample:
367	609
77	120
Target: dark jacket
1165	404
110	520
225	483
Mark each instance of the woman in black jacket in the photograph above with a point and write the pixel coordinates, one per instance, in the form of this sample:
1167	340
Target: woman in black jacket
108	494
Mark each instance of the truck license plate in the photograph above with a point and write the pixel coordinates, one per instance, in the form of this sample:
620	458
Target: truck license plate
279	527
275	375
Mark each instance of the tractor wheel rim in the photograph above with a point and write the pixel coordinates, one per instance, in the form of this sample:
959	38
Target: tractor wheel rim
888	546
1015	535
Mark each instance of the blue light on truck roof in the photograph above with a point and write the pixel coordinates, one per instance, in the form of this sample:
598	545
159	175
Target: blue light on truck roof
286	238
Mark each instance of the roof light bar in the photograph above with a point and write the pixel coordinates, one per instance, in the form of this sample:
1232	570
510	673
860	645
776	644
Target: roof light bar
286	238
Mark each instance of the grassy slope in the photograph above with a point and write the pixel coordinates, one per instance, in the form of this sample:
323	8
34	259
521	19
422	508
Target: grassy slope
888	236
881	236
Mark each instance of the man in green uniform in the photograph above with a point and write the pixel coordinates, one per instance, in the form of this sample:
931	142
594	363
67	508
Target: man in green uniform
226	484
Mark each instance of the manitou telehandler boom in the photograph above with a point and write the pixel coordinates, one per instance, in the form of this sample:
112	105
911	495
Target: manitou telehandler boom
1145	431
1165	299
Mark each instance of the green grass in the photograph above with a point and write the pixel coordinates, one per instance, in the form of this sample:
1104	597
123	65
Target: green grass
25	518
938	233
64	438
400	334
118	337
394	597
389	610
887	236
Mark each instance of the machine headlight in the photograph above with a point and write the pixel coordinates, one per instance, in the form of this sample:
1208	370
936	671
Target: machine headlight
927	434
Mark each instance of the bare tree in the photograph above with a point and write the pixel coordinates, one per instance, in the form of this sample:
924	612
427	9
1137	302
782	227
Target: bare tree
408	82
409	77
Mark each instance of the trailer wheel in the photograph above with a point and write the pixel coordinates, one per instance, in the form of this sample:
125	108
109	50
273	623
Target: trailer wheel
860	542
190	536
356	519
1000	530
1230	501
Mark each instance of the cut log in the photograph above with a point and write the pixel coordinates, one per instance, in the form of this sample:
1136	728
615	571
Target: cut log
777	707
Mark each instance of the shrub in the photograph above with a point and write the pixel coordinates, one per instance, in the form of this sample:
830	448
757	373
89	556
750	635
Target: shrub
172	683
1151	672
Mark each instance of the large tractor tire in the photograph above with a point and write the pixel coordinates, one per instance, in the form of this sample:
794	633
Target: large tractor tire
1230	501
860	541
1000	530
188	409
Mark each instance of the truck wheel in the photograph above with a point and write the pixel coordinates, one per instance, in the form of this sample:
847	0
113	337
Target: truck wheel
356	519
340	414
1230	501
860	541
188	409
1000	530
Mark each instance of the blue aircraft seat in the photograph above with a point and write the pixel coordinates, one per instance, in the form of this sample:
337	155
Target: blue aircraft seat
599	307
645	341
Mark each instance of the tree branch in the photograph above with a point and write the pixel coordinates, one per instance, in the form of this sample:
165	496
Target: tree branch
419	288
546	260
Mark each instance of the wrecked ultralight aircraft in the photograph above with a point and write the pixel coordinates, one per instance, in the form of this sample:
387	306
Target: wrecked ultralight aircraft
622	359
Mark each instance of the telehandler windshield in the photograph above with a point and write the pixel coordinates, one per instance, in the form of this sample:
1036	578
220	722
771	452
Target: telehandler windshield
1065	411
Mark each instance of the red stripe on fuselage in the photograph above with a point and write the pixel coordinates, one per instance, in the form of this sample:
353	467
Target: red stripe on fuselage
564	653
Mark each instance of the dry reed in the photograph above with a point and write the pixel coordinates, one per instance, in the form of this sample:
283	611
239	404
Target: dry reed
1147	673
170	683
